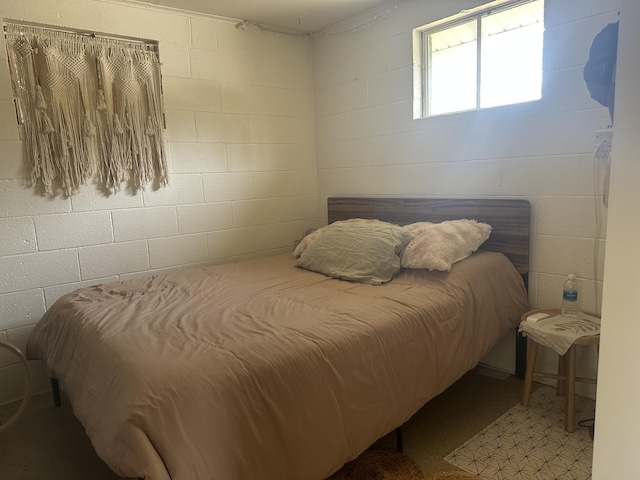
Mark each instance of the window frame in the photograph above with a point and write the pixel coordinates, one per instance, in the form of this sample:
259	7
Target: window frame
422	54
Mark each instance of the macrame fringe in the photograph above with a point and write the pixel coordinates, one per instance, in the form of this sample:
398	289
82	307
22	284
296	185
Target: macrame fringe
117	126
101	104
47	126
89	128
102	121
41	103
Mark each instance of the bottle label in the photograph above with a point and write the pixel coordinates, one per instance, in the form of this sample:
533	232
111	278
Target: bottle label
570	296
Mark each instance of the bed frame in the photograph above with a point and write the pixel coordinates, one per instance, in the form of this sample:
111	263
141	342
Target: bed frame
509	220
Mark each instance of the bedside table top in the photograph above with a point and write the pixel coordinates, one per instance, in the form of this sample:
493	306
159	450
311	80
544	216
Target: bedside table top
560	333
549	311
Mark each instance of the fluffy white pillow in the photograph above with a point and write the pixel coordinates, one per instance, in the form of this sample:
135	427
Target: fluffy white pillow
437	246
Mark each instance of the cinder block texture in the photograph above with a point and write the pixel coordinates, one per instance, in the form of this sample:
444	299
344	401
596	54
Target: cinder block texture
21	308
237	104
34	270
17	235
179	250
112	259
56	232
142	223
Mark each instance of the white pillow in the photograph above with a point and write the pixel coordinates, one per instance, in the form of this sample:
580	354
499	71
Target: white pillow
437	246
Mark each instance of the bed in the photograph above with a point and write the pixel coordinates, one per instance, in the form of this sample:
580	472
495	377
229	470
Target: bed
264	370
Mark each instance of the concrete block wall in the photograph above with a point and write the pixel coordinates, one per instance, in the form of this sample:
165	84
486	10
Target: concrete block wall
240	145
243	135
369	144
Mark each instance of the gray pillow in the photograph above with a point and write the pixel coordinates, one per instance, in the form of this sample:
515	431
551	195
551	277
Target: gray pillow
358	252
311	237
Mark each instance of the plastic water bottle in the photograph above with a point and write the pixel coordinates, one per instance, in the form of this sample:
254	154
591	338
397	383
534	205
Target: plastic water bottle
570	307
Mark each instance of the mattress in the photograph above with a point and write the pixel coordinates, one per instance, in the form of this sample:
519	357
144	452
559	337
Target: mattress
262	370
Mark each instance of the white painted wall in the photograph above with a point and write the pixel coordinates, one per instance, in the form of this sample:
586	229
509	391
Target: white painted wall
617	438
240	141
243	150
369	144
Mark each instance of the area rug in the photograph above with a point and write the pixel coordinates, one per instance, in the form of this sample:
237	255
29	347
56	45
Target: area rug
379	465
453	475
531	443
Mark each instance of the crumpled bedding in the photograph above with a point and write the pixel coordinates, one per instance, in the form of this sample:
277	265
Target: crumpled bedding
261	370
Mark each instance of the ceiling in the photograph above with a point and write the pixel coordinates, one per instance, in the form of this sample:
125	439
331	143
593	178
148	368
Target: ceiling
298	15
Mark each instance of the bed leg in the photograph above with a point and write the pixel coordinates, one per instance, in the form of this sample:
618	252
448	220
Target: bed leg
521	355
55	390
399	439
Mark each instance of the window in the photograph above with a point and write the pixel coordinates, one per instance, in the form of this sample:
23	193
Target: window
485	57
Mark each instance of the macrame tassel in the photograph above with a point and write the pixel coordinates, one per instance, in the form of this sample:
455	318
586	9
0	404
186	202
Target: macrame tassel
117	126
65	138
127	121
41	103
89	128
101	104
150	129
47	126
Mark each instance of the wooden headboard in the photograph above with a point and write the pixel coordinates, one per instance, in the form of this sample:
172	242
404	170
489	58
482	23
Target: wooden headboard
509	219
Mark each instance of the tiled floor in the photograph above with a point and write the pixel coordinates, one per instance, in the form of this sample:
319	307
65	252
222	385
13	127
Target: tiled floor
531	443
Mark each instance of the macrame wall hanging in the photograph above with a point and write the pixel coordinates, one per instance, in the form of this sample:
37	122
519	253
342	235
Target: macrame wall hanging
91	108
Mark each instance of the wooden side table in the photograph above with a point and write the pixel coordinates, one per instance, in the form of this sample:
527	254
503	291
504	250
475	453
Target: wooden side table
566	375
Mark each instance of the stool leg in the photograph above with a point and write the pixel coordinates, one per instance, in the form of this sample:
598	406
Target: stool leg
532	356
562	378
571	389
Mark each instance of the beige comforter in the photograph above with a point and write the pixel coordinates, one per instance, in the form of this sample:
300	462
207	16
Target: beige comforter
261	370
